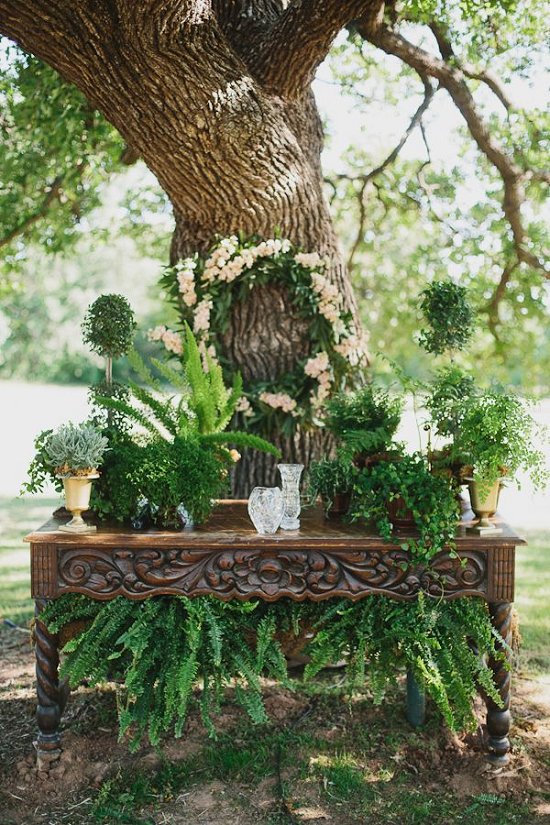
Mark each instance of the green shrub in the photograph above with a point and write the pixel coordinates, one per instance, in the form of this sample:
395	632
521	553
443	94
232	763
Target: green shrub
163	647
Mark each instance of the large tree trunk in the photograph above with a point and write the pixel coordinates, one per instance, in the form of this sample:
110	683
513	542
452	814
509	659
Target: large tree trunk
265	339
215	97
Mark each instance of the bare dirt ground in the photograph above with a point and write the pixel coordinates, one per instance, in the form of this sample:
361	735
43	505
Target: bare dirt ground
315	763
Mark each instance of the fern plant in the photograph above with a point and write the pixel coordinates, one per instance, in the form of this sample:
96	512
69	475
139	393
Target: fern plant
164	647
161	647
439	641
203	404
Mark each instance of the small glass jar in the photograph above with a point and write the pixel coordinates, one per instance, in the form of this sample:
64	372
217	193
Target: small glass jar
290	474
266	508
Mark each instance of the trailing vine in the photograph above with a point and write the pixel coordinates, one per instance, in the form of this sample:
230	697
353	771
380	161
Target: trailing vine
164	647
204	289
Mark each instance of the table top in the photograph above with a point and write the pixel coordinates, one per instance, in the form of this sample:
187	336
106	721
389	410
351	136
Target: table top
229	526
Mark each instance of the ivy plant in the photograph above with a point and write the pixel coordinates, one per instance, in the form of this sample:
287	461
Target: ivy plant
408	481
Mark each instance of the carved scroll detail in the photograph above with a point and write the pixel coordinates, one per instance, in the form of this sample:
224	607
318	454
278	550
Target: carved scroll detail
271	574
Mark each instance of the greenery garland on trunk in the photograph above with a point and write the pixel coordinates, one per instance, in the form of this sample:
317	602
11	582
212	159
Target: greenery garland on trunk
164	647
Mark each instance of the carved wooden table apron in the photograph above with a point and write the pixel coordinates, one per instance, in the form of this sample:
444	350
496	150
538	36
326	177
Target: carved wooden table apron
228	559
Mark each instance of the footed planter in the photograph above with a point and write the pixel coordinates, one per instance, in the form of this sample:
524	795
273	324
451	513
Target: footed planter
484	501
78	490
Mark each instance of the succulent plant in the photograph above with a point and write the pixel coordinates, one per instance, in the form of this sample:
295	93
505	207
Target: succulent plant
75	448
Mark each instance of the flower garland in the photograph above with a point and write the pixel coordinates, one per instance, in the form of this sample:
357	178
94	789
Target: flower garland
204	289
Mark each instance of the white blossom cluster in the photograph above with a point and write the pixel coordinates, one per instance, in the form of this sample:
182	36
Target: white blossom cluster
221	266
201	318
244	406
329	297
354	348
319	367
171	340
185	273
278	400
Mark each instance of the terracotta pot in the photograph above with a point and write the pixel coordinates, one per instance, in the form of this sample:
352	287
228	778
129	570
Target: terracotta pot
339	506
399	515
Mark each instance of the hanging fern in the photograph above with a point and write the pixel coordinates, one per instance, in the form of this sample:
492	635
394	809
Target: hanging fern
164	647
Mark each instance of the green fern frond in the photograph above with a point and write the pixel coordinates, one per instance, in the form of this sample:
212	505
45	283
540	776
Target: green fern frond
241	439
135	415
174	377
164	412
142	370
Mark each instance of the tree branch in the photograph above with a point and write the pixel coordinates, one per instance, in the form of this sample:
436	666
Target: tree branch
292	48
51	194
492	306
452	78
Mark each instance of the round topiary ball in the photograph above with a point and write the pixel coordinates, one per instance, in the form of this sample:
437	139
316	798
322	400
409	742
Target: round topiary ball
108	326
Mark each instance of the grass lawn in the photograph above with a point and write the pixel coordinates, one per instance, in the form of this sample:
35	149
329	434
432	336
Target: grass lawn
317	764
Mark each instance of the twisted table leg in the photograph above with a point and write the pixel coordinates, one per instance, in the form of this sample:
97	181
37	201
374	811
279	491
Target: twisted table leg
499	718
50	697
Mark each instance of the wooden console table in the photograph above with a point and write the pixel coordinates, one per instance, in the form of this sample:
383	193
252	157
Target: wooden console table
228	559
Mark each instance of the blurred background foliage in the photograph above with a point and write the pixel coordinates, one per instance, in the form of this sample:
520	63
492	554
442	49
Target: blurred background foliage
413	198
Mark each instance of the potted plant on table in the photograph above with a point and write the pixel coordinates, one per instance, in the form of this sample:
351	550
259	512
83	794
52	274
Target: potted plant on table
75	452
365	423
495	438
405	497
180	461
332	480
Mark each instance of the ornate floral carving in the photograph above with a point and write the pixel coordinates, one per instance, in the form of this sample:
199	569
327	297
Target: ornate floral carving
267	574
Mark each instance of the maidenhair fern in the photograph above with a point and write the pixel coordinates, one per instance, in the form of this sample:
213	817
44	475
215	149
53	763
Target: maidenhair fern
164	647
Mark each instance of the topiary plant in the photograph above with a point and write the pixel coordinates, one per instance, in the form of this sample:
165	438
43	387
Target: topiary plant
108	328
449	316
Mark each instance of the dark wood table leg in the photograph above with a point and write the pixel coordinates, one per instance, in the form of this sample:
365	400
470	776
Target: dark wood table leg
51	695
499	719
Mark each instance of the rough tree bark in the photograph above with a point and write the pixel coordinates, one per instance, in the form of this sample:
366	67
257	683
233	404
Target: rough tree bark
215	97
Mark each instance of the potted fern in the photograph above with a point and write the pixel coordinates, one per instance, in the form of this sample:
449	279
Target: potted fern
365	423
75	452
331	479
182	463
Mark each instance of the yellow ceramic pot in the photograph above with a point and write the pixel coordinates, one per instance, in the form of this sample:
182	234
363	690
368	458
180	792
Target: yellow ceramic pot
77	499
484	501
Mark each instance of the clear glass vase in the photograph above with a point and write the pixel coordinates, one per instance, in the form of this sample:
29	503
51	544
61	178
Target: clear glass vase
290	474
266	508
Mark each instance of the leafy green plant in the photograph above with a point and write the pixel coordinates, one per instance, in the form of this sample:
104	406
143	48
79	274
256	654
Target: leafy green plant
163	647
365	421
408	483
205	405
108	327
439	640
329	477
40	468
496	437
75	448
447	402
448	315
